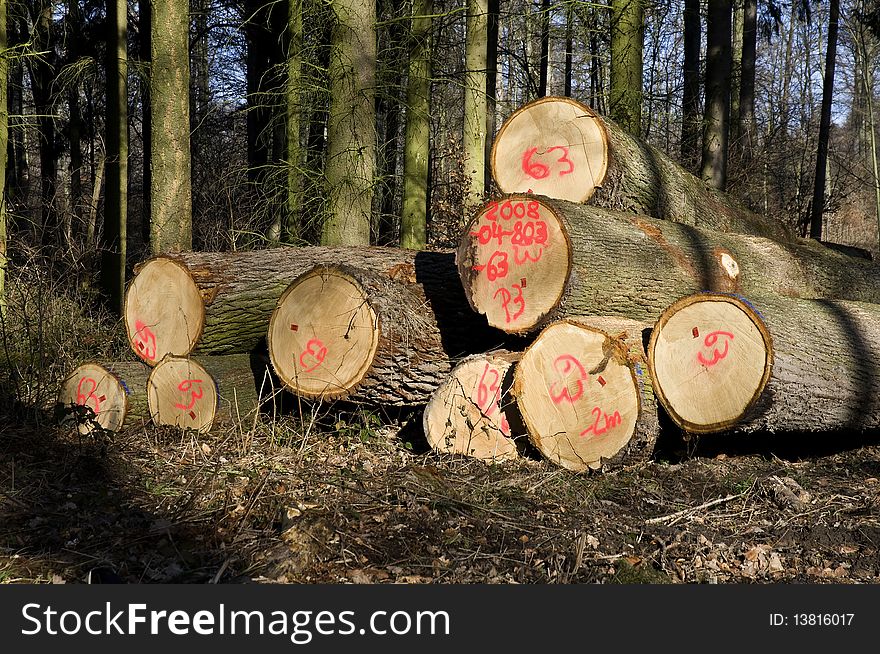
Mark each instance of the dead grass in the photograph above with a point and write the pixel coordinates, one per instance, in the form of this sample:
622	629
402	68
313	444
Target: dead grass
350	504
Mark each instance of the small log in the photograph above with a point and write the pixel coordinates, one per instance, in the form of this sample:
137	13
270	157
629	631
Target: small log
469	413
583	394
341	332
97	398
560	148
221	302
711	357
525	261
181	393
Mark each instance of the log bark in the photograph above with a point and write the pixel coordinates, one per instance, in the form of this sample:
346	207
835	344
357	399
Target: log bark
470	412
577	259
387	336
584	394
242	384
560	148
825	376
221	302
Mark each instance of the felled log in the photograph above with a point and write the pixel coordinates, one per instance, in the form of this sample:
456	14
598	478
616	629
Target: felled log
98	397
527	260
469	413
379	334
584	394
824	376
114	396
221	302
562	149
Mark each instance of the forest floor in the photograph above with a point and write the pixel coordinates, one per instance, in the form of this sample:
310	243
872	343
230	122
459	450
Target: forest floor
357	502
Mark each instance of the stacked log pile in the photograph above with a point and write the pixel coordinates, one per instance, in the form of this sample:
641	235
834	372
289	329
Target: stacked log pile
606	286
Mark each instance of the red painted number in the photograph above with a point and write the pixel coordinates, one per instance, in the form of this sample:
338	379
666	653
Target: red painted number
497	270
610	422
710	341
488	394
537	170
565	365
526	256
83	397
316	351
507	298
145	340
186	386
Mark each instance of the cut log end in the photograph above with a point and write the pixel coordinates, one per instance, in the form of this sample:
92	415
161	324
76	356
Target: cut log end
96	397
514	261
578	395
710	357
164	311
181	393
323	335
555	147
467	414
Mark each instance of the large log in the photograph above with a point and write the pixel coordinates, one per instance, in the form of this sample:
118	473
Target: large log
824	378
584	395
562	149
469	413
380	334
221	302
527	260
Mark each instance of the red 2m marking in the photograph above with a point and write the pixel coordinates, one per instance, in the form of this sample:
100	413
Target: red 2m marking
564	365
316	350
186	386
145	340
717	355
537	170
506	299
83	398
610	422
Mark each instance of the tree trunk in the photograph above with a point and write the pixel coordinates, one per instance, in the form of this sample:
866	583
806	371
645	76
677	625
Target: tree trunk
569	49
472	411
42	73
584	395
560	148
736	68
113	236
627	45
4	146
544	63
171	210
716	117
144	54
818	205
414	220
492	37
351	129
567	259
824	378
475	105
290	229
258	62
746	121
385	336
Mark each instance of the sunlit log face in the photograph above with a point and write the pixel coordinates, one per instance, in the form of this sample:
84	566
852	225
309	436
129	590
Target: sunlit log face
555	147
710	358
